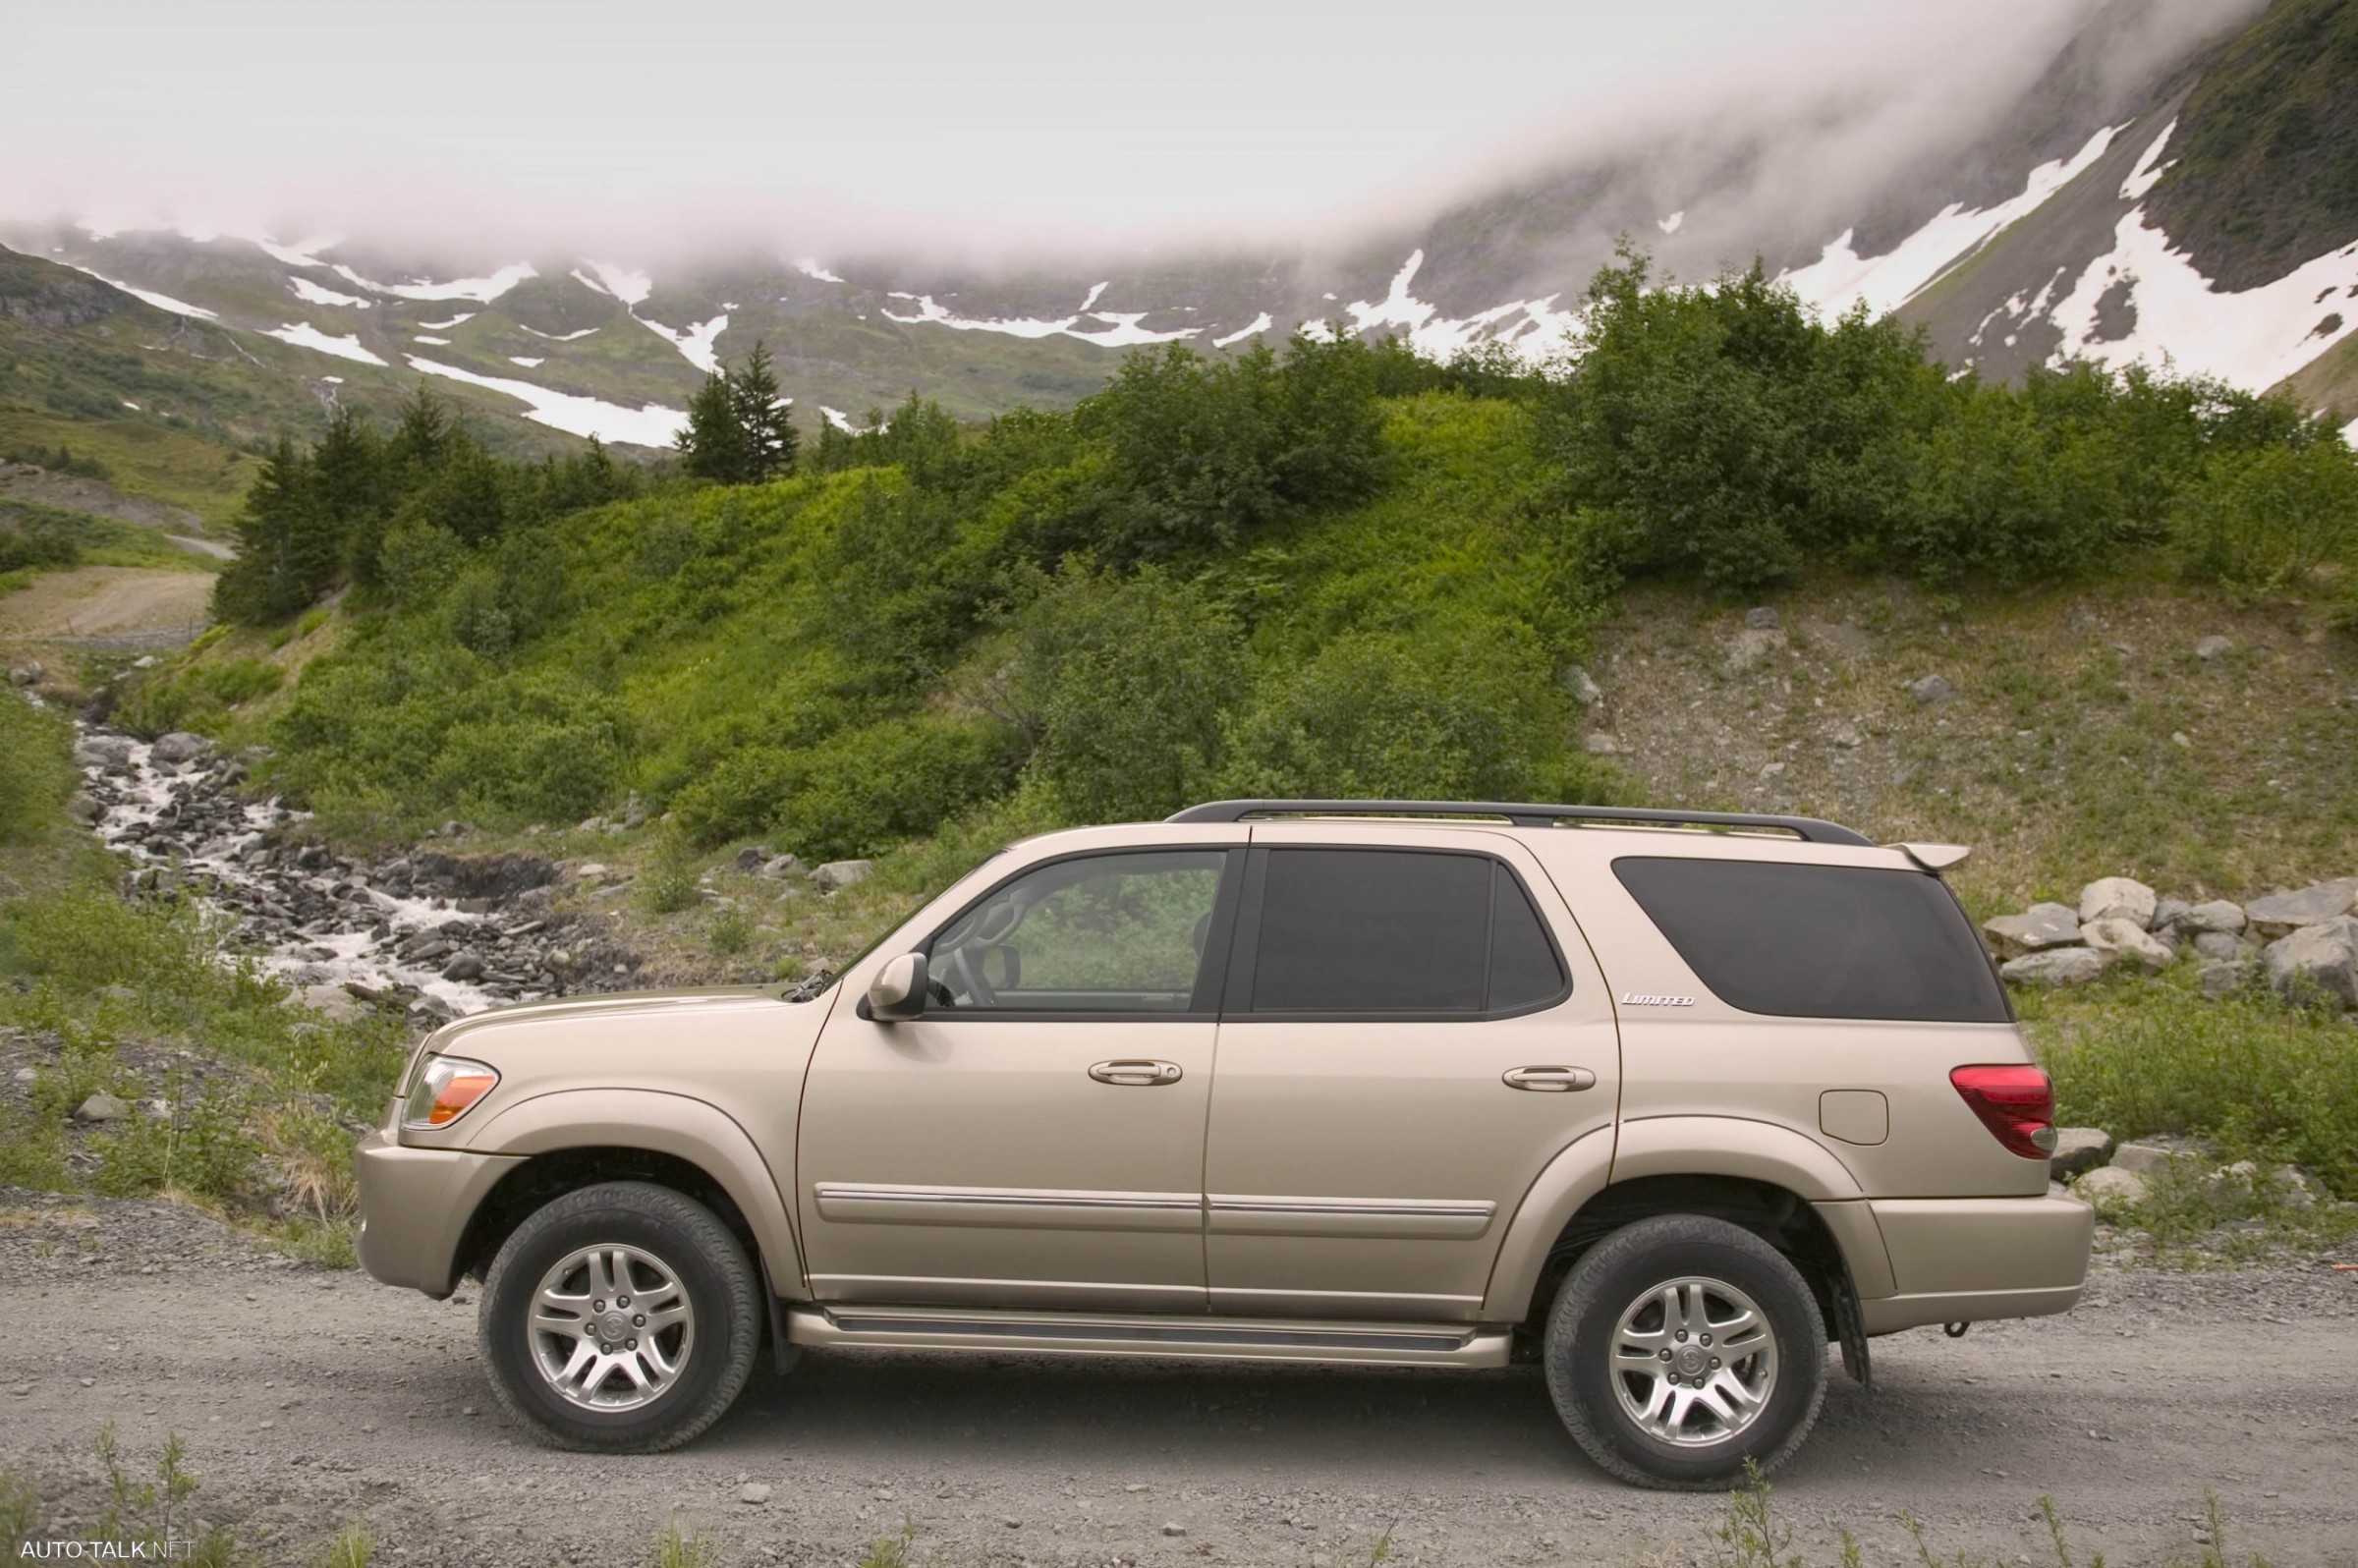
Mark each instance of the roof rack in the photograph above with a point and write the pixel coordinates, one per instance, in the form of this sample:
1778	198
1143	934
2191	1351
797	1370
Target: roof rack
1807	828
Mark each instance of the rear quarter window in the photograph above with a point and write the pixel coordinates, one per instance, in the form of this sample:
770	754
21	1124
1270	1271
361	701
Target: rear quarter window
1820	941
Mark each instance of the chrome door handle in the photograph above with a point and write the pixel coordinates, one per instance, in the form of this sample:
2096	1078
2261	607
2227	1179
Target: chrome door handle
1549	1080
1137	1074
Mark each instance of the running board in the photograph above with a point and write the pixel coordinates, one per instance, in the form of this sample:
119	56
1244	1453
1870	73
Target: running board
1189	1338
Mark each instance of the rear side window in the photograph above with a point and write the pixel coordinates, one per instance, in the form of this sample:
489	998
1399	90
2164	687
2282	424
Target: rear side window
1399	932
1820	941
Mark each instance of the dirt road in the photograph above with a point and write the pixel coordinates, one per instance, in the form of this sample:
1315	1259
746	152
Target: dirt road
106	601
311	1399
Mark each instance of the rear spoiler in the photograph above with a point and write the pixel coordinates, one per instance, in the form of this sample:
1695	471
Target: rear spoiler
1934	857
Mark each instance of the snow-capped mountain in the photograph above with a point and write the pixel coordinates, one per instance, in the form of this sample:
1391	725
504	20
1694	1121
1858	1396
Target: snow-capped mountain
2126	208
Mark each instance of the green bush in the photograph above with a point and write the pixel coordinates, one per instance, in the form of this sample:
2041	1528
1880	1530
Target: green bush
1121	685
2271	517
1463	712
856	793
2249	1073
198	1147
37	769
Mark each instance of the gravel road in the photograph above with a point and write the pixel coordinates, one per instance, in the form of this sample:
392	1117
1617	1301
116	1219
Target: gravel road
311	1399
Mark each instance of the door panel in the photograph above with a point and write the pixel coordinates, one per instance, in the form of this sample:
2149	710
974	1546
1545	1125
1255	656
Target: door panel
1366	1167
1036	1137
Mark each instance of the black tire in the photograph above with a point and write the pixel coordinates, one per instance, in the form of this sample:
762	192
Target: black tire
1611	1278
722	1289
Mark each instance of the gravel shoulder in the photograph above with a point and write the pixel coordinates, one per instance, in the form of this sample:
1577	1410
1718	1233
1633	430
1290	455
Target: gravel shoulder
312	1398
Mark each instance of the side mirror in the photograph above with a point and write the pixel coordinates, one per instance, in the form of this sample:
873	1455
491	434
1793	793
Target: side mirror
899	989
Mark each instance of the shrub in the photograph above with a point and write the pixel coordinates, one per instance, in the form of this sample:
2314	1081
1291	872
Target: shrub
1120	684
2269	517
2249	1073
856	793
1463	713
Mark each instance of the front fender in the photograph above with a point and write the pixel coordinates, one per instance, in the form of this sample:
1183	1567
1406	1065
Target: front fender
665	1124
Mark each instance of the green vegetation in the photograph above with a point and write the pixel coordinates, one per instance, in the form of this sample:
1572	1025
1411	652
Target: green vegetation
2265	154
36	770
36	539
737	430
2257	1078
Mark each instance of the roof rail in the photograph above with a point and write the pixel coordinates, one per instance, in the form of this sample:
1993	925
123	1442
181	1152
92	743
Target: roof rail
1807	828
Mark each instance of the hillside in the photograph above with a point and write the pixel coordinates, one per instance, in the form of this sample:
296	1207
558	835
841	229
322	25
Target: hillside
2171	185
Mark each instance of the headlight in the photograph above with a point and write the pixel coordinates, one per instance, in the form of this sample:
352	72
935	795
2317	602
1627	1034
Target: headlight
445	1087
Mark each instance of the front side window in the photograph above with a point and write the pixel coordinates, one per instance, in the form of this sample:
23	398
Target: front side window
1105	933
1399	932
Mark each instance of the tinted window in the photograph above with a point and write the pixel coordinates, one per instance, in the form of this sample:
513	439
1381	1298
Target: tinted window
1820	941
1397	931
1119	933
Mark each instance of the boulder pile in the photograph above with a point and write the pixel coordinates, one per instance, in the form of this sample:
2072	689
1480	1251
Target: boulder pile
2303	943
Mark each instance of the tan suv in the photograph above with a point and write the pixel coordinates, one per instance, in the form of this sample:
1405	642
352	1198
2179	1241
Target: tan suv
1673	1098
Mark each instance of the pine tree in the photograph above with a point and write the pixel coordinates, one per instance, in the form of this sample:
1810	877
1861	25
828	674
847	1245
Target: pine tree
713	444
770	436
423	436
287	544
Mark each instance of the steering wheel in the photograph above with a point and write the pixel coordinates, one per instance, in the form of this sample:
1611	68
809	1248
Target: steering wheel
970	977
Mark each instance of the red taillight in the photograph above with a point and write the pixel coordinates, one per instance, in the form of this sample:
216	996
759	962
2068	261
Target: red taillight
2017	1103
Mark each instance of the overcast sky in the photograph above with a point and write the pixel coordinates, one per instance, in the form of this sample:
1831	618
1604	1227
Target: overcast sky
1003	119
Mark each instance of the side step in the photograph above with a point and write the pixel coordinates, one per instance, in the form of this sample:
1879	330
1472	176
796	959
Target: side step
1188	1338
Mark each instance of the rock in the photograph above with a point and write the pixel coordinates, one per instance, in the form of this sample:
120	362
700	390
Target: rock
2108	1185
454	829
2151	1157
1753	644
1599	744
2218	914
335	1003
2281	913
749	858
2117	938
2057	966
2212	647
1844	734
181	746
1174	1529
101	1108
29	673
2166	915
1932	690
841	873
2317	959
2225	976
753	1493
1581	684
778	868
2293	1187
1763	618
2117	898
85	808
2220	946
591	872
2078	1149
2035	929
464	967
102	751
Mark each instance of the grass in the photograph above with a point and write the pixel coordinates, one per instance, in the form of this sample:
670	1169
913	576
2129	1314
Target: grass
175	467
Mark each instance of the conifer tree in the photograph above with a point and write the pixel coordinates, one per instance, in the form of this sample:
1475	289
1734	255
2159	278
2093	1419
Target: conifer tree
770	436
288	546
713	443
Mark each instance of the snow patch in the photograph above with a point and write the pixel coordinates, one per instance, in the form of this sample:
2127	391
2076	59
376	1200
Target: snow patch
650	425
1260	323
1842	278
445	326
303	253
304	335
1670	224
810	268
835	416
2149	167
441	343
2251	339
1532	329
619	281
480	290
1091	303
311	293
695	343
162	302
1123	331
527	360
127	403
558	337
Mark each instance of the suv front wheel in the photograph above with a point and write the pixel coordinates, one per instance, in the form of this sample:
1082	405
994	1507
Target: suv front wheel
1679	1347
621	1317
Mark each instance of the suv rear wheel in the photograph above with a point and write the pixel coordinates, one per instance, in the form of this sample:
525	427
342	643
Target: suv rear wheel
1679	1347
621	1317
